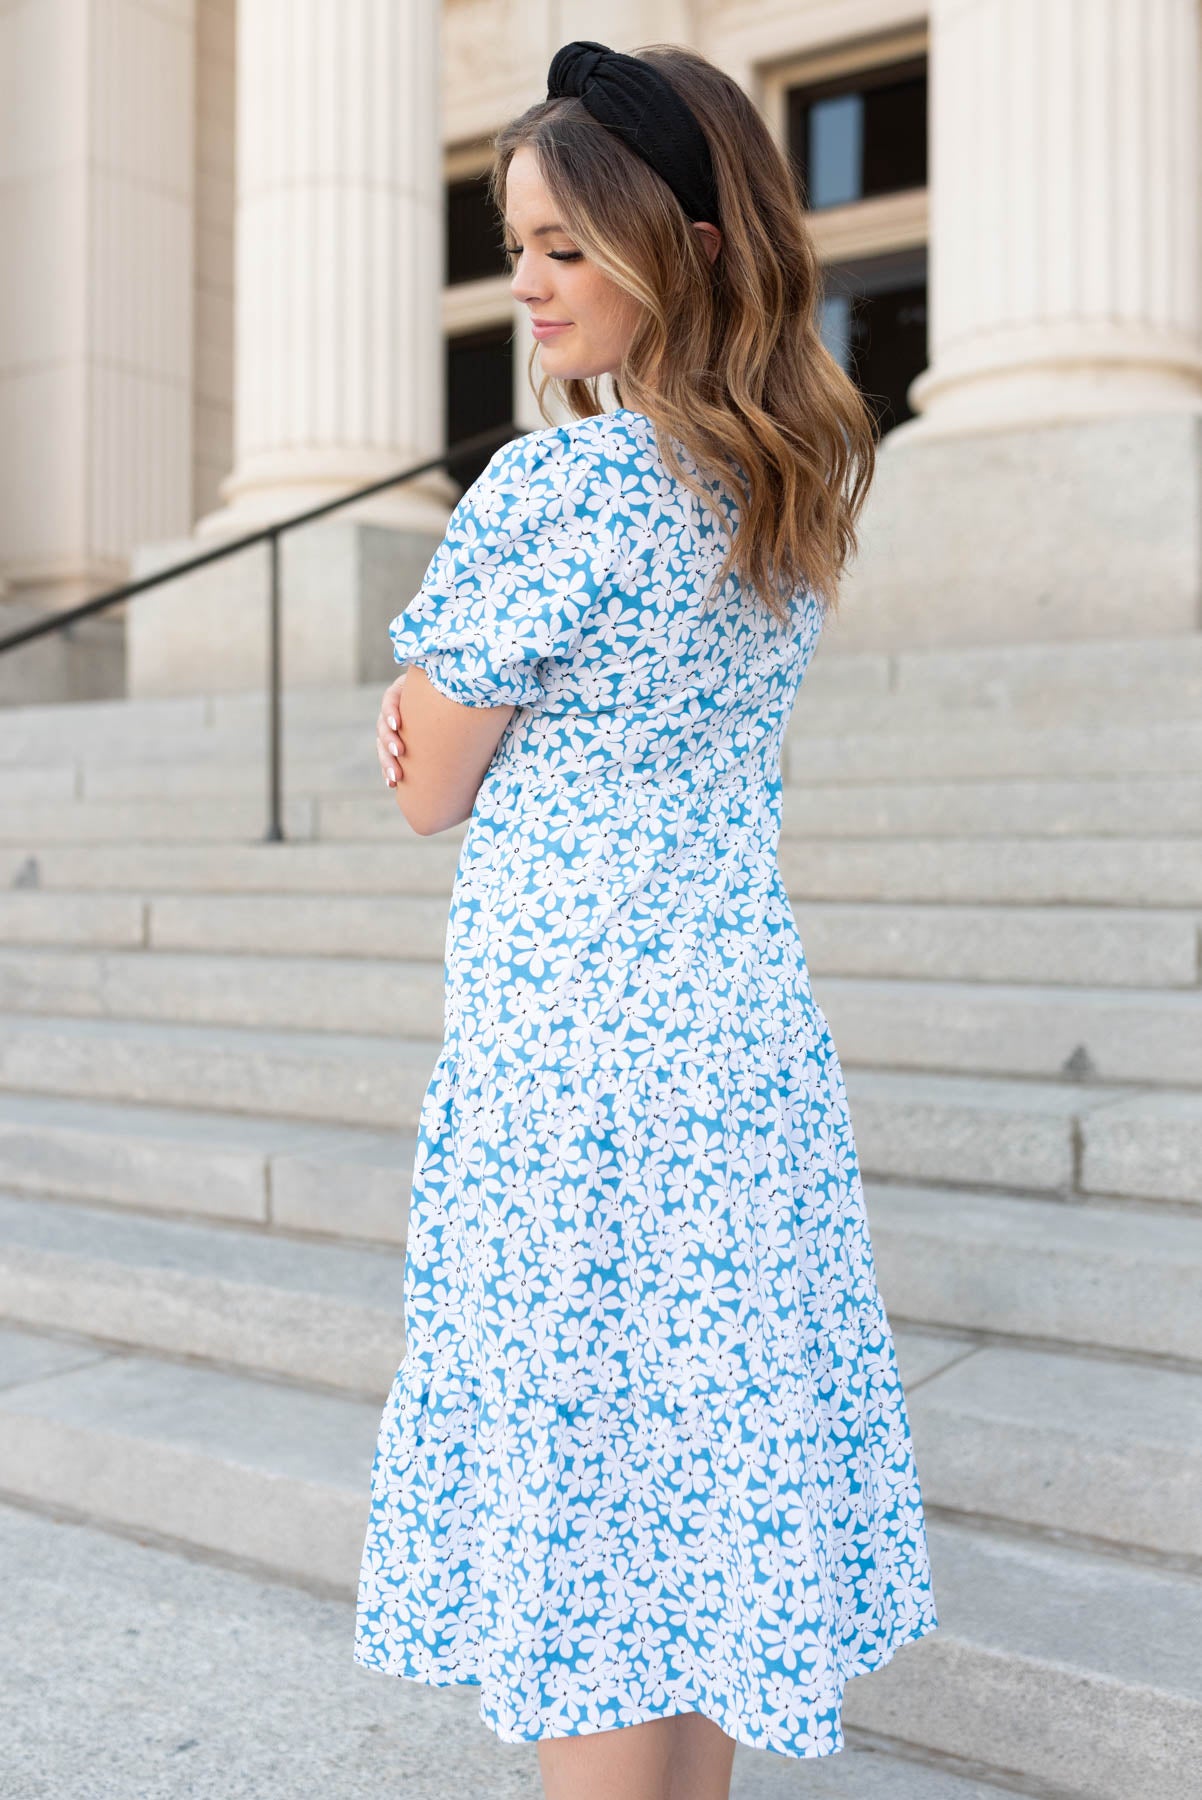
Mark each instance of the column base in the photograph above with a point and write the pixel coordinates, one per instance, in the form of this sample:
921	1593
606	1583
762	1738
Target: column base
341	582
1050	533
85	661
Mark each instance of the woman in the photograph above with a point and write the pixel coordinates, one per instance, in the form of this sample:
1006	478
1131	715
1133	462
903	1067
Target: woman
645	1474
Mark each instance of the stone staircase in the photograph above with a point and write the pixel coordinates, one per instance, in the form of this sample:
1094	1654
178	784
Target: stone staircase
213	1052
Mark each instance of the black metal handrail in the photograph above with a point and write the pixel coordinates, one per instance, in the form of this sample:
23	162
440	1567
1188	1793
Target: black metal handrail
272	534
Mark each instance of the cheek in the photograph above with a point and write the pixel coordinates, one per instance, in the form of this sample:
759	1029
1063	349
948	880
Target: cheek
601	306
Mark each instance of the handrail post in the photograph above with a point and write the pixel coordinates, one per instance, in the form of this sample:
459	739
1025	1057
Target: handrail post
275	824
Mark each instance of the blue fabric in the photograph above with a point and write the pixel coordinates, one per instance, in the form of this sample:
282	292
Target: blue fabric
648	1450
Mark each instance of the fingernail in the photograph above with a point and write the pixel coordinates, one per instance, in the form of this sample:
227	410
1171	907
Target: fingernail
392	721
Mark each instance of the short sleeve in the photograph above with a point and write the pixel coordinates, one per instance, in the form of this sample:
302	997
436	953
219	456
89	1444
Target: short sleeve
525	556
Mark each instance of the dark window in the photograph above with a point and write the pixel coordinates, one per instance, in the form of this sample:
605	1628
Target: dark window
860	135
479	392
874	323
475	239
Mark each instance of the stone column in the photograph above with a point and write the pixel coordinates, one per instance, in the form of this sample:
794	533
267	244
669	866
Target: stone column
96	216
1064	264
339	360
1050	486
339	257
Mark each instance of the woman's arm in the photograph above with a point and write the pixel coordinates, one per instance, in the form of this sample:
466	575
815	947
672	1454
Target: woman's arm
435	751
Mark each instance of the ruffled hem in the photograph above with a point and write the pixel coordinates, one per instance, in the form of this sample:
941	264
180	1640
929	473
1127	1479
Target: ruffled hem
735	1726
595	1562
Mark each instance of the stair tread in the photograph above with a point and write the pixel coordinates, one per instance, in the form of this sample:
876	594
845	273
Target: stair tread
1014	869
1110	1399
241	1686
1031	1599
1001	1093
97	1614
190	1251
1145	1234
353	1047
194	1128
272	1426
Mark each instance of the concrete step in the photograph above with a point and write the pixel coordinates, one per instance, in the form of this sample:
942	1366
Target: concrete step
1005	679
1046	1137
1004	871
1001	676
93	1616
1094	1656
951	1129
1025	1435
407	925
48	731
1098	946
248	1467
345	1181
1088	1274
242	1687
322	1313
1065	1668
1116	1034
339	1181
1015	871
984	750
1131	808
319	1076
995	1028
1090	946
1081	946
1105	1278
340	763
182	727
1062	1441
33	916
341	759
240	818
837	747
411	865
970	708
1148	1147
1073	945
47	784
1151	678
1128	807
275	993
1134	808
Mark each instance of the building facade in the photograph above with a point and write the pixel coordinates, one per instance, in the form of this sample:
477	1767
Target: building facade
252	266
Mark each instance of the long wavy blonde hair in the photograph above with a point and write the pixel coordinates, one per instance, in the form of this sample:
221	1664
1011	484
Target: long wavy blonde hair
726	358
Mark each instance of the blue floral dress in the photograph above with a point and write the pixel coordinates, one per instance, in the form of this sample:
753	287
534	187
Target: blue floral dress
647	1451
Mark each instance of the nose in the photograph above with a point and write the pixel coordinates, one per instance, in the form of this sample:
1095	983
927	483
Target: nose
522	290
520	285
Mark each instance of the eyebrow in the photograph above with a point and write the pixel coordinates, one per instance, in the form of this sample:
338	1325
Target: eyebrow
541	230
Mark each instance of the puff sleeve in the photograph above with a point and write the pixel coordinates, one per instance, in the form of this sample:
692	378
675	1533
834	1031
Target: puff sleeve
526	553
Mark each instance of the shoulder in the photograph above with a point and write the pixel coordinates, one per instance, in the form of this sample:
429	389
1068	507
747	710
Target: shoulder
560	485
563	458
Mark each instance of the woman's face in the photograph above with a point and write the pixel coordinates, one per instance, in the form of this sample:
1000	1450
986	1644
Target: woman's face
555	281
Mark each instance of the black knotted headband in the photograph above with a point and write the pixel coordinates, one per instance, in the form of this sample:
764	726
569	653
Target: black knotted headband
634	101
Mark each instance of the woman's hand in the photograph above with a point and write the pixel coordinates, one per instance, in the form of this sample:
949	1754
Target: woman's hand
390	747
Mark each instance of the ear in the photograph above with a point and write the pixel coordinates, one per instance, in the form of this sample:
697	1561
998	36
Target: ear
711	237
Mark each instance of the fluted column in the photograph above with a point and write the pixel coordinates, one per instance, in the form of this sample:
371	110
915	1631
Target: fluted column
339	260
1064	256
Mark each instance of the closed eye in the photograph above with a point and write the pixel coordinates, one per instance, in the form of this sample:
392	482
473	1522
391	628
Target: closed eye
555	255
